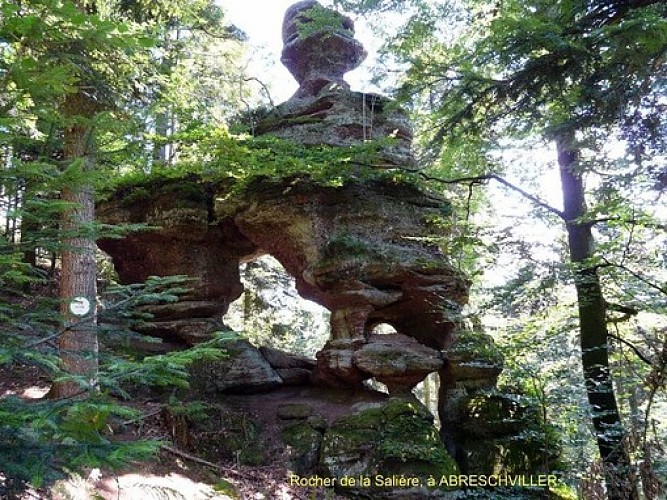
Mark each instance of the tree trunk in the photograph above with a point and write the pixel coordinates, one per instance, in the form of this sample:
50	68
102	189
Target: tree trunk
77	343
620	476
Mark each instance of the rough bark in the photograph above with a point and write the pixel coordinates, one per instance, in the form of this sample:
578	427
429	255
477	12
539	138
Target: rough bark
619	473
77	344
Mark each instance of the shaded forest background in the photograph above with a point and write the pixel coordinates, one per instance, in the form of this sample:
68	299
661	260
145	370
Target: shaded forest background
543	122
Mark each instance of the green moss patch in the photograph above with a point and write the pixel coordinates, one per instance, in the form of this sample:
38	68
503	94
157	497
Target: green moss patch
392	439
303	443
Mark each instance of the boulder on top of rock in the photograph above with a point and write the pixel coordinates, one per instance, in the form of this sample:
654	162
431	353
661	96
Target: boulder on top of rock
398	361
319	46
335	365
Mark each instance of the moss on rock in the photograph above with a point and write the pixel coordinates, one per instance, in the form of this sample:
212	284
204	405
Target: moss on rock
504	434
303	443
395	438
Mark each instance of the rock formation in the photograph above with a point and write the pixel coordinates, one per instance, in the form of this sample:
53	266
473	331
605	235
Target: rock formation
398	361
362	249
319	48
386	441
188	243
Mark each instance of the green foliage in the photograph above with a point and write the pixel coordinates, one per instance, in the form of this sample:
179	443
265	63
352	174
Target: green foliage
112	55
514	60
165	370
226	488
46	440
192	410
319	20
215	156
521	69
43	441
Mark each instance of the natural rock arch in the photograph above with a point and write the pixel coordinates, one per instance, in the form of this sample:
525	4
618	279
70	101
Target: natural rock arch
355	249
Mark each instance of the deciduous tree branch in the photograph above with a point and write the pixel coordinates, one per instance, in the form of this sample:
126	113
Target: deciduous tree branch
634	348
480	179
661	289
634	222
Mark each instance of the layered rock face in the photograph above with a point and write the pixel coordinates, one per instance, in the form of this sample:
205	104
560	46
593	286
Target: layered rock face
189	243
359	251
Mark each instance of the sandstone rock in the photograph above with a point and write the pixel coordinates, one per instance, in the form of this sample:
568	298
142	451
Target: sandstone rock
503	433
294	411
358	250
317	422
282	359
244	372
337	116
303	435
294	376
398	361
472	364
335	366
184	309
303	446
474	357
190	331
397	437
183	241
319	46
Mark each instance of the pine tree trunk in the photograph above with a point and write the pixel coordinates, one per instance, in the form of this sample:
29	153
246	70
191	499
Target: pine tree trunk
77	343
620	476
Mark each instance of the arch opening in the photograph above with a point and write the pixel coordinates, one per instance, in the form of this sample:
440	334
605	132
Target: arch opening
271	312
383	329
376	385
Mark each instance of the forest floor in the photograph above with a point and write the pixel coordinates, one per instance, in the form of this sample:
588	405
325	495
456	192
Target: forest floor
173	473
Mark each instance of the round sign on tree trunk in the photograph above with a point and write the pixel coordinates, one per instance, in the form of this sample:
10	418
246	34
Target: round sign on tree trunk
80	306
